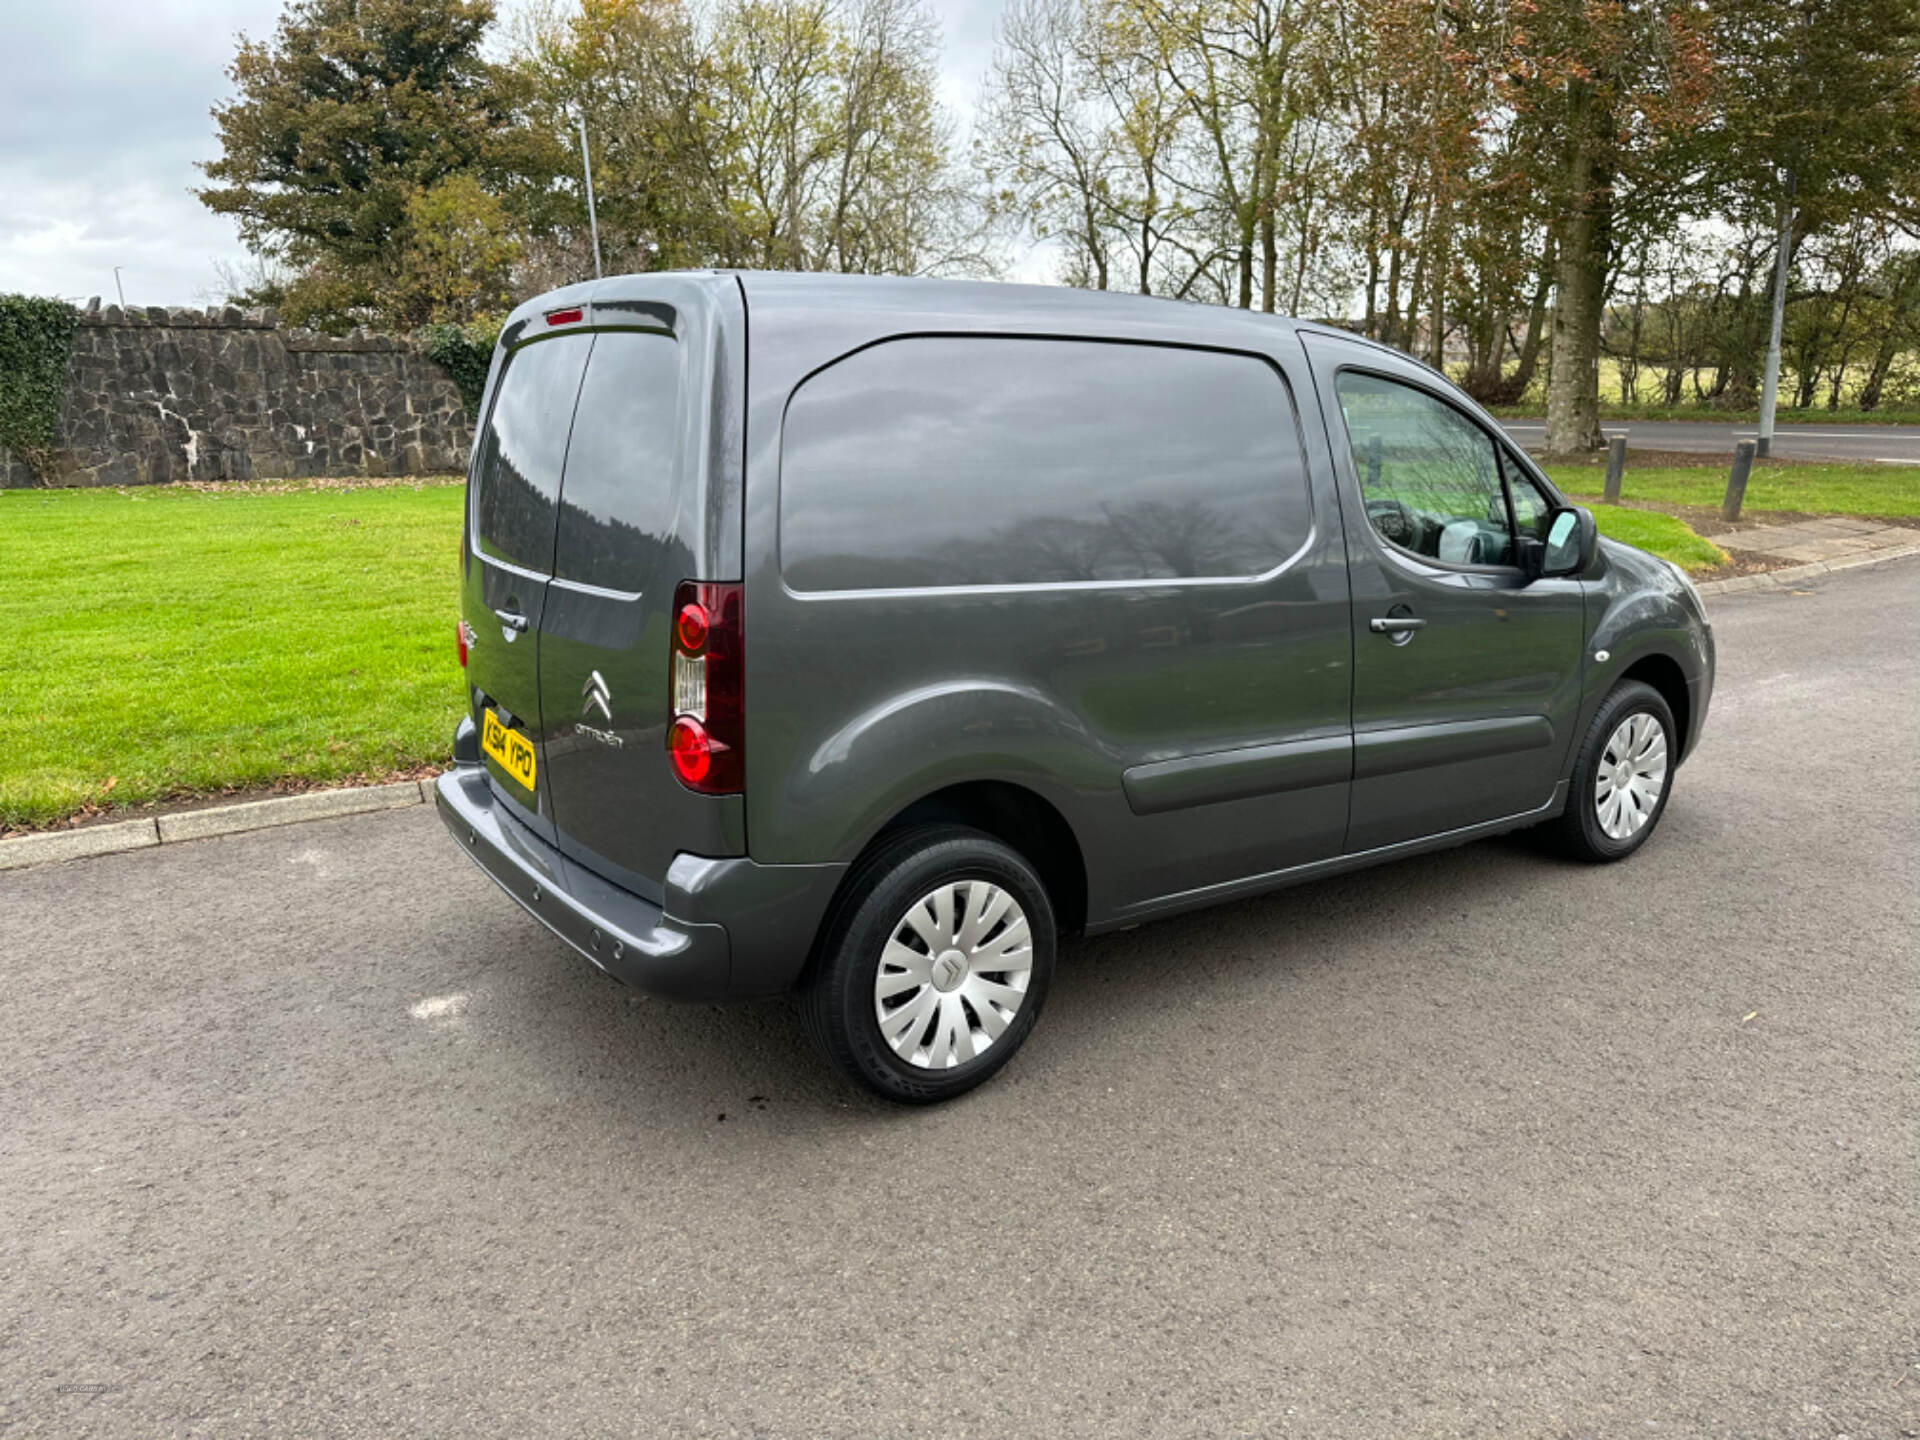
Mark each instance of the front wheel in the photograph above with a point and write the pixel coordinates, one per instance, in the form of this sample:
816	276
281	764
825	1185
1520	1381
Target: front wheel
1622	777
934	966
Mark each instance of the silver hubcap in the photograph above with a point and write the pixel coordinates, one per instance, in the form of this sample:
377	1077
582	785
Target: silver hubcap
1633	772
953	975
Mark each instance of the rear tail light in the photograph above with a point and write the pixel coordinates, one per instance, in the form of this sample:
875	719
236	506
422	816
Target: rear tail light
463	637
707	739
571	316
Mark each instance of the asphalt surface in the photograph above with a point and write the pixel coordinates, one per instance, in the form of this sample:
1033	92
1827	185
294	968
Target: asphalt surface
1888	444
310	1132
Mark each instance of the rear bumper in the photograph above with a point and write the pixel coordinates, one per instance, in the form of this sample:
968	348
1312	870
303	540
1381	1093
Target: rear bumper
626	936
728	928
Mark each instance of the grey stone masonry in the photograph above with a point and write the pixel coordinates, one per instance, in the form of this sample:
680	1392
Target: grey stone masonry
159	394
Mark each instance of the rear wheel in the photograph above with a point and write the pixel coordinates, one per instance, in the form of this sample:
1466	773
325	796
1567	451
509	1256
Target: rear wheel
935	965
1622	777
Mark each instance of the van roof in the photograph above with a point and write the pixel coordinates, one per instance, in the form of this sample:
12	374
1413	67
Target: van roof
899	294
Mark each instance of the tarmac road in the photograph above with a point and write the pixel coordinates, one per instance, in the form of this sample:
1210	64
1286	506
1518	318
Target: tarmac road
310	1132
1886	444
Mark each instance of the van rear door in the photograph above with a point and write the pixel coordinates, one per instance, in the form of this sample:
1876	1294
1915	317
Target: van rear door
653	454
512	515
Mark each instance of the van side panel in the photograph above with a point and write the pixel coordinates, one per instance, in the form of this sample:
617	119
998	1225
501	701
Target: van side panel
862	701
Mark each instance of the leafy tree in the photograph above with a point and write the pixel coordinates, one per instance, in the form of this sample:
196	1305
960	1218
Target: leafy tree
341	129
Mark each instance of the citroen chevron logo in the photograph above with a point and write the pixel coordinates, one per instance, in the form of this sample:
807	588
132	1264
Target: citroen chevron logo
596	696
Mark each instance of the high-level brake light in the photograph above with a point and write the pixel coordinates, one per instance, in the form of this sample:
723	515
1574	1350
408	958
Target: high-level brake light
706	740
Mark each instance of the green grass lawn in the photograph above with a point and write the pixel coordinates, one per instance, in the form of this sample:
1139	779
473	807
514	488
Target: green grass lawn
1889	490
1662	535
174	641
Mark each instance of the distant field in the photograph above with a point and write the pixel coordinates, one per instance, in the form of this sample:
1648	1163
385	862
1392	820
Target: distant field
173	641
1901	406
1891	491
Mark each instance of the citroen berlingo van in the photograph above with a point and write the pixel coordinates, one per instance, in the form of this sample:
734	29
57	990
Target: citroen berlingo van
862	636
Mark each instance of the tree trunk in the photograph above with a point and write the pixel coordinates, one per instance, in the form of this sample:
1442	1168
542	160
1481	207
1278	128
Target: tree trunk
1573	388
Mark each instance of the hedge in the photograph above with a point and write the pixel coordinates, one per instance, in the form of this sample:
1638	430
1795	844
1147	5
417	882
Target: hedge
36	342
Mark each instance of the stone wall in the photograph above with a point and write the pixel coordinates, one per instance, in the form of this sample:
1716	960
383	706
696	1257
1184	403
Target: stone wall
161	394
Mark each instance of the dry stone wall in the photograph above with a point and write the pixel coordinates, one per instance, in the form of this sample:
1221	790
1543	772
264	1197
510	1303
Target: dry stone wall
161	394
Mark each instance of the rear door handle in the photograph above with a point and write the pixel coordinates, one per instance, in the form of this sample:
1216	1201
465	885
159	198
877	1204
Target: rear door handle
1391	624
511	620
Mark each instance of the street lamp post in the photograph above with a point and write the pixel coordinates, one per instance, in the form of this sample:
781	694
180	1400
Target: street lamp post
586	169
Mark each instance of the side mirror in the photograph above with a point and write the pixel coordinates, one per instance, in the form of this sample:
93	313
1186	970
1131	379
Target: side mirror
1572	539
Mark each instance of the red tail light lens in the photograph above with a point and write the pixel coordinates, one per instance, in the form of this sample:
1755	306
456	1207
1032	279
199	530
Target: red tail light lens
691	749
690	629
565	317
707	738
460	639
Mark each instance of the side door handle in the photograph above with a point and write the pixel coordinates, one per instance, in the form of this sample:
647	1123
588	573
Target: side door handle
1394	624
511	619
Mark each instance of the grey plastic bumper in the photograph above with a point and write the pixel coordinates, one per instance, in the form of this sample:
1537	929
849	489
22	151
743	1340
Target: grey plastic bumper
728	927
630	938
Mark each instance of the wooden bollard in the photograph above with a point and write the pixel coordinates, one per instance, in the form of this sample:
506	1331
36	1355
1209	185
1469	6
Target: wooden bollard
1737	482
1616	468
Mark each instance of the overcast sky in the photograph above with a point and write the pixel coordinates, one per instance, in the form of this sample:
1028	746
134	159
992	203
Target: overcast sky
105	113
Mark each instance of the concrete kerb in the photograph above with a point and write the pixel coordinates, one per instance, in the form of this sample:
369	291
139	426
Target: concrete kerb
1794	574
90	840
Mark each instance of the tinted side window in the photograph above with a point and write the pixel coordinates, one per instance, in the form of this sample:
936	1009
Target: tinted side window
523	450
938	461
1428	474
616	509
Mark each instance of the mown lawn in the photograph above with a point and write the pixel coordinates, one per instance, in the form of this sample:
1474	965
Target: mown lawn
1663	535
1886	490
175	641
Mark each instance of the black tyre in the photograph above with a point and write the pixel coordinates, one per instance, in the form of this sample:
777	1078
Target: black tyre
1622	777
933	966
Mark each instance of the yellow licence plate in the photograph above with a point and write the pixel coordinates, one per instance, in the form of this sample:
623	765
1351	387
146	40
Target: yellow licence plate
512	750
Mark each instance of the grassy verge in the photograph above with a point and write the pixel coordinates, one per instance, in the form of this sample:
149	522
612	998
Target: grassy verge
176	641
1891	491
1662	535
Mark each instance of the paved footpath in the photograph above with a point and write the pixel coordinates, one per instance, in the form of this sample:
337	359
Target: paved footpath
310	1132
1826	539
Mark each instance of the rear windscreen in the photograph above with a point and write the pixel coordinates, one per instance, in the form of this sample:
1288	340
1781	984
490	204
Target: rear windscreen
523	450
617	507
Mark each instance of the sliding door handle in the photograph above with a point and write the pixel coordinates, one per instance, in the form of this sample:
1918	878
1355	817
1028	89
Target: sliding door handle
1394	624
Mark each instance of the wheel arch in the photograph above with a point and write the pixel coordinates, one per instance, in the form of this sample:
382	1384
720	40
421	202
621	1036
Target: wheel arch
1663	673
1017	816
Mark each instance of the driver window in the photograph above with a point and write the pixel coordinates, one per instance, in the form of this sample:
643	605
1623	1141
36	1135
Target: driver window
1428	475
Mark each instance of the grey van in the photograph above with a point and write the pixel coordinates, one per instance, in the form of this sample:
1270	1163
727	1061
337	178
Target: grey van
864	635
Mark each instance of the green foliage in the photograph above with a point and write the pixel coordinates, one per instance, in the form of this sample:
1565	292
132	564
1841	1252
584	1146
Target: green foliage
36	340
336	150
126	695
459	251
464	352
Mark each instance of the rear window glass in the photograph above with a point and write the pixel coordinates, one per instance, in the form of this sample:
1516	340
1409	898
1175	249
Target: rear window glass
523	450
938	462
616	509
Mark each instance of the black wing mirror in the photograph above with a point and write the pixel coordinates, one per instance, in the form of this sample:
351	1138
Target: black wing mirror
1572	539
